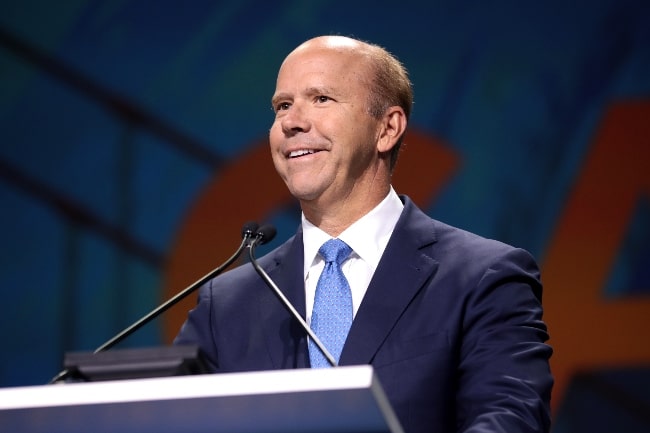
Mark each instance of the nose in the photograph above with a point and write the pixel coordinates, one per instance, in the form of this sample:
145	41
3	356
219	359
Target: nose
295	120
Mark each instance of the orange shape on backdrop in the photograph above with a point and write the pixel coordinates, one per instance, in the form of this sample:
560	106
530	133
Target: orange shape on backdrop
587	331
250	189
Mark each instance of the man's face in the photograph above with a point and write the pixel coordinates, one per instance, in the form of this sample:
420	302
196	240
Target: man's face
323	140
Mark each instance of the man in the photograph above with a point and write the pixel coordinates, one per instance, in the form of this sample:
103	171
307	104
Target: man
451	322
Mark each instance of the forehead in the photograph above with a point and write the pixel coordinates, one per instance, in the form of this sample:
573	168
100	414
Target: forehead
332	65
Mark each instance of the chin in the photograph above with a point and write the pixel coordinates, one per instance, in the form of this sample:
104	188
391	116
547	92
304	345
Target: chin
303	193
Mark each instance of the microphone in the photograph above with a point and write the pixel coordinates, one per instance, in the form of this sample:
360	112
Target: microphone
264	235
249	230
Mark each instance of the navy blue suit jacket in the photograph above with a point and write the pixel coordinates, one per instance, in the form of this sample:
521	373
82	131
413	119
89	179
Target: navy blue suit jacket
451	322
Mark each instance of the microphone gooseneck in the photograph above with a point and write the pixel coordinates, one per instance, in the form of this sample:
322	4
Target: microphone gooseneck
264	235
249	230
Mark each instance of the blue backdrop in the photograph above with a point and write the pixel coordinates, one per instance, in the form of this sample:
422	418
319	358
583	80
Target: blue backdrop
116	115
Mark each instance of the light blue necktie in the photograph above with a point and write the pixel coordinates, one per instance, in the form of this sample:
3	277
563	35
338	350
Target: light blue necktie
331	316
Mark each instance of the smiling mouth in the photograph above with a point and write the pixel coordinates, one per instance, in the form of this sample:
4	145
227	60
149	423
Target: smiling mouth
302	152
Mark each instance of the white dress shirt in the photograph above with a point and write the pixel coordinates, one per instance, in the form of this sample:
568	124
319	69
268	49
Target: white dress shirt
367	237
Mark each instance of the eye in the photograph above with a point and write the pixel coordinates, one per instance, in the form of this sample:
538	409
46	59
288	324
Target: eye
323	98
281	106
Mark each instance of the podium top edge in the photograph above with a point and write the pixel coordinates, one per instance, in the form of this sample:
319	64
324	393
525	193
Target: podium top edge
185	387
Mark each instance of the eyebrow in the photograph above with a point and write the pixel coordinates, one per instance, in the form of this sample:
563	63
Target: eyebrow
279	97
324	90
310	91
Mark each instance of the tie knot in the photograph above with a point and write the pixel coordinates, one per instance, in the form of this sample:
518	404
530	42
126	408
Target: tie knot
335	250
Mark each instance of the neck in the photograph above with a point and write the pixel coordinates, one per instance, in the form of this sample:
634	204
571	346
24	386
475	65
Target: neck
334	218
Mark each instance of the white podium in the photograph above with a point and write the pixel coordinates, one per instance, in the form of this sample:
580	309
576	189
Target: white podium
342	399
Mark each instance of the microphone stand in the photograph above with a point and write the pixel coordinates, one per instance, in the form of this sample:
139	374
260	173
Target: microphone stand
247	232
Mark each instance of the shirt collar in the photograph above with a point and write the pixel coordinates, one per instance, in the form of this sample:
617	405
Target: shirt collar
368	236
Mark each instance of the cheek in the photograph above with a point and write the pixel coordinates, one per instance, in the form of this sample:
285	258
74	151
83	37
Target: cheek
275	137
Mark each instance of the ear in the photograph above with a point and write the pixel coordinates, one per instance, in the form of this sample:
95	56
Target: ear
393	125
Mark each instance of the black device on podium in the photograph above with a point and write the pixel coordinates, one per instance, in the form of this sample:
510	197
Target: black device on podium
134	363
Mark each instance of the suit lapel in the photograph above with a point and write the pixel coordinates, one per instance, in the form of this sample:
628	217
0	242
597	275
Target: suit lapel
285	339
403	270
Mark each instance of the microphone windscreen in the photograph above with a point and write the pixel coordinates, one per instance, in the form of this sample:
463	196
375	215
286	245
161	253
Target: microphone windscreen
249	229
266	233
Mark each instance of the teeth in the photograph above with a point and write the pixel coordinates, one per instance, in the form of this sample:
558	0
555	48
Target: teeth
302	152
